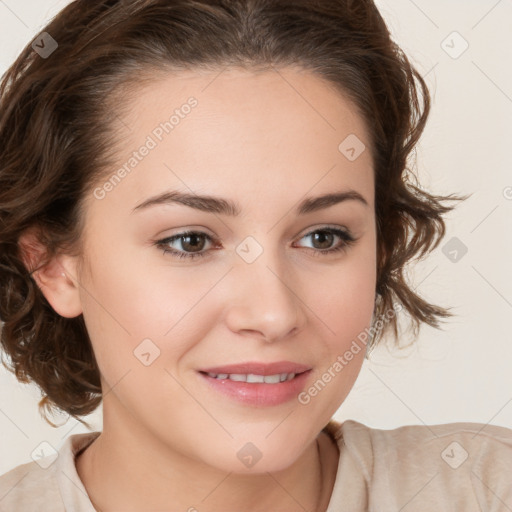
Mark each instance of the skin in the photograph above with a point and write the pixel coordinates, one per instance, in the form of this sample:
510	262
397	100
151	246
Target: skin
266	140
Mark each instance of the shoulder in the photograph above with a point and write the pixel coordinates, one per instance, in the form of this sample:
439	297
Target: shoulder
48	484
468	465
453	443
28	487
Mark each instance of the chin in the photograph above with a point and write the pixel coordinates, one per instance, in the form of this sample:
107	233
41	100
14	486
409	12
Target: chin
253	458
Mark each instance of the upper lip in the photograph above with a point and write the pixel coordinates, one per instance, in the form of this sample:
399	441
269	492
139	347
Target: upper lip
259	368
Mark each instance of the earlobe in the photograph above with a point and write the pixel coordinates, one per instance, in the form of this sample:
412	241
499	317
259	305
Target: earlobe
53	278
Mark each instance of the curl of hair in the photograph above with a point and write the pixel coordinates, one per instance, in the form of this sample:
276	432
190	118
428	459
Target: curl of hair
57	138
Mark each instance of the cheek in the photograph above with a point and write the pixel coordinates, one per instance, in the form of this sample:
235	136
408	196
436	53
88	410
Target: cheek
127	302
344	300
344	296
343	304
345	312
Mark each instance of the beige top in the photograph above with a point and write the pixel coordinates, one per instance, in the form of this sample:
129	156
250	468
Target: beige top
463	467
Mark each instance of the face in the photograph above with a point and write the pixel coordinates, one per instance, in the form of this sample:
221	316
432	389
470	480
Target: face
268	284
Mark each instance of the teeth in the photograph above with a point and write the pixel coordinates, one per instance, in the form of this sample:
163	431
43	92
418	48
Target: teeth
219	376
236	376
252	378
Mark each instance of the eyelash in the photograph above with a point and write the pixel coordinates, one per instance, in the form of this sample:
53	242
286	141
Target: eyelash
345	236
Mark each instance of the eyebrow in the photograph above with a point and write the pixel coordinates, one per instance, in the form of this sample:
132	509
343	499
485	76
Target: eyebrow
212	204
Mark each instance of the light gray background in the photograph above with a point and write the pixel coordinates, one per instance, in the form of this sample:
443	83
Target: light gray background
464	372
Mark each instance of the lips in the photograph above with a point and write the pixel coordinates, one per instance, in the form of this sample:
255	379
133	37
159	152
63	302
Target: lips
248	389
258	368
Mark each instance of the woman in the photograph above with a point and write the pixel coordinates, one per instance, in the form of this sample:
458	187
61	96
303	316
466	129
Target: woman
205	210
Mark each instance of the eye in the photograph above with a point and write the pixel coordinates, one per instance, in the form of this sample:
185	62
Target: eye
193	243
325	237
190	240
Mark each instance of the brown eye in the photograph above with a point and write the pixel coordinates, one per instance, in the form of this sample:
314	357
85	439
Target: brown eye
322	240
192	244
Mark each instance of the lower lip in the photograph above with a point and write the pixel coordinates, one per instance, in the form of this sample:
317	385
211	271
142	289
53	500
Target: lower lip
256	393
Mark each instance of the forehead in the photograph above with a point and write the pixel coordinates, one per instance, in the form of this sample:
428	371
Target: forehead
268	102
240	132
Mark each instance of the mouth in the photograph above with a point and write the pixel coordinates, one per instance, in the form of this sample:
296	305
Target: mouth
261	385
253	378
258	368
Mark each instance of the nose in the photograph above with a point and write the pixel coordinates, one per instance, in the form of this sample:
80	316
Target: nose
264	299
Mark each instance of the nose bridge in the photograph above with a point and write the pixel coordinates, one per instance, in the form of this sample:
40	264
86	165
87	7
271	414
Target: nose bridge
264	299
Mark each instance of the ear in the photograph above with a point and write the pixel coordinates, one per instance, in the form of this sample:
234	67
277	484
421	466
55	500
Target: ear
57	279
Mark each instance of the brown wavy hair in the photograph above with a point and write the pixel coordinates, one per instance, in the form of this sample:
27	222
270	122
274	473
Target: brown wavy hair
57	142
